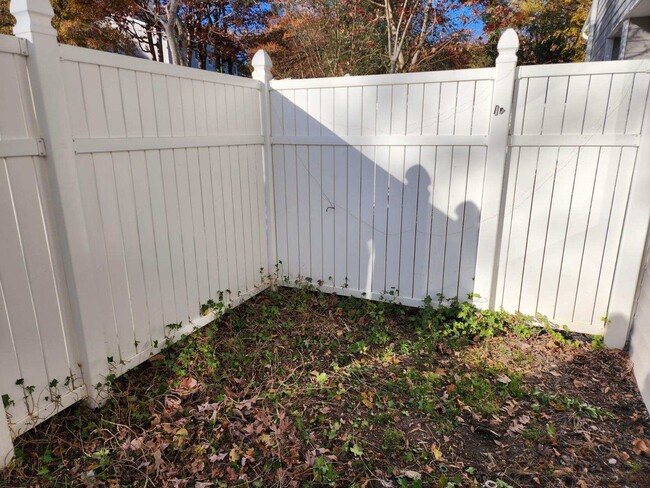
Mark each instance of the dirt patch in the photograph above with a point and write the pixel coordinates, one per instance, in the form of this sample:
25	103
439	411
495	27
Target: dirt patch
299	388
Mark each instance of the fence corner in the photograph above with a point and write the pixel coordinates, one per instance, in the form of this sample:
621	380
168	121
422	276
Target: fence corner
6	444
262	66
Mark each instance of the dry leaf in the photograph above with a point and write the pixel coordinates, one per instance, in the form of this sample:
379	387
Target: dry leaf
157	456
366	399
234	455
188	385
437	454
180	436
503	379
412	475
641	446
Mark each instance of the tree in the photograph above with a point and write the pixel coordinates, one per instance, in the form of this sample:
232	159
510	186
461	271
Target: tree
196	30
319	38
85	23
549	30
146	22
79	23
6	19
418	30
335	37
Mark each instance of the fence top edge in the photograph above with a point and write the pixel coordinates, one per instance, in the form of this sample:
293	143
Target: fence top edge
11	45
477	74
591	68
120	61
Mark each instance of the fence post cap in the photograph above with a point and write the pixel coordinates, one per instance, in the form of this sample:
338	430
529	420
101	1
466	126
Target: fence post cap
262	65
32	16
508	46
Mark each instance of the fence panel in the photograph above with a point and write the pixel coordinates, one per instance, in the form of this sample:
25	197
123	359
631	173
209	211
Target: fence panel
573	156
39	372
379	181
172	182
380	184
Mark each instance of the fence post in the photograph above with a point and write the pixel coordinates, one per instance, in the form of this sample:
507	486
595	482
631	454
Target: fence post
487	261
632	248
33	23
6	445
262	65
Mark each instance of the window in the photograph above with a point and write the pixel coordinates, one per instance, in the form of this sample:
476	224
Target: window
616	48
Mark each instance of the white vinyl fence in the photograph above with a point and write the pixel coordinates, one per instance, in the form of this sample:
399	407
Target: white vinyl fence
172	190
37	343
133	192
382	186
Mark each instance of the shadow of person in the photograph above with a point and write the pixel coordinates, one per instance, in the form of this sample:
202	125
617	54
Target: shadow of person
444	243
373	220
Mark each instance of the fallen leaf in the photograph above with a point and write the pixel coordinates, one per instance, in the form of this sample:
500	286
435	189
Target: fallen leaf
437	453
187	385
180	435
503	379
157	456
412	475
217	457
366	399
641	446
234	455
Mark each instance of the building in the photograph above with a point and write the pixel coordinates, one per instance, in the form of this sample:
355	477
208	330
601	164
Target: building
618	29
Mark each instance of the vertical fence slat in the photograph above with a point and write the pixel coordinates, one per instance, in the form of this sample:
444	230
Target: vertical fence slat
409	221
394	227
353	206
366	217
198	224
538	228
423	237
382	179
441	188
133	258
223	250
455	220
149	248
328	213
304	236
340	213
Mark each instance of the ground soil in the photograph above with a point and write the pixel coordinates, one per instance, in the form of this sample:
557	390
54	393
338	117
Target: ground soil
299	388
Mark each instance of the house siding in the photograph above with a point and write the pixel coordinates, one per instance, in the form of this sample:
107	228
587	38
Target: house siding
609	15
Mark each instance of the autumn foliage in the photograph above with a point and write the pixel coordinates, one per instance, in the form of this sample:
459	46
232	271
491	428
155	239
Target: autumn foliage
316	38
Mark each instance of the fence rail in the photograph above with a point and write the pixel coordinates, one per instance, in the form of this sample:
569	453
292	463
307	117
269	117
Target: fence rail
133	192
